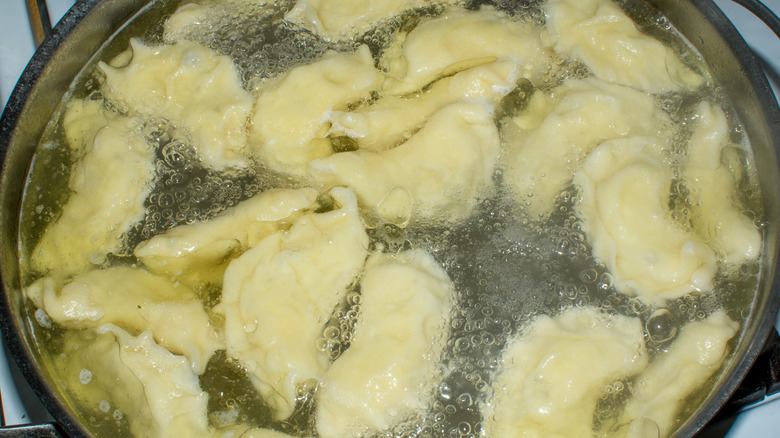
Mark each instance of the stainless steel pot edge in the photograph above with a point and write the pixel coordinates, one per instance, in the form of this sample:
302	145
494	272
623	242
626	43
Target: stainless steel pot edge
75	39
745	84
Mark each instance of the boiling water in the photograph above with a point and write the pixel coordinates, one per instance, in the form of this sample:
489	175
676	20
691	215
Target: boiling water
507	267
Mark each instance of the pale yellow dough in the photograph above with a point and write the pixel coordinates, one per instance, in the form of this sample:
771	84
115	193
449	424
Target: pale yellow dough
109	186
392	366
135	300
551	377
549	139
82	120
662	390
624	205
289	124
177	404
94	374
391	120
205	245
277	297
461	39
438	174
195	89
715	213
600	34
340	19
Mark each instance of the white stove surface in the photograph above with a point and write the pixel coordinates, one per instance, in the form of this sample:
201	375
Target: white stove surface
20	405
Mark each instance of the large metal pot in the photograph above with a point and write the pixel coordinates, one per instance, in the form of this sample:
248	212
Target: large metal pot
85	29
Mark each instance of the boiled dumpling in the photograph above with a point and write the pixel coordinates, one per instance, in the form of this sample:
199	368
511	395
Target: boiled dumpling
550	138
93	373
624	206
392	364
600	34
135	300
714	207
203	246
81	121
662	390
461	39
437	175
109	186
277	297
337	19
195	89
551	377
290	120
391	120
177	404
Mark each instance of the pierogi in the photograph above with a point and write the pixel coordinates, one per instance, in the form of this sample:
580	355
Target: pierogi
206	245
277	297
551	377
625	187
392	120
195	89
337	19
601	35
289	122
460	39
134	300
662	390
176	402
715	209
557	131
392	365
108	186
437	175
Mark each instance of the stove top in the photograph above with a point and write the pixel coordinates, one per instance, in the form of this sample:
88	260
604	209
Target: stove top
20	405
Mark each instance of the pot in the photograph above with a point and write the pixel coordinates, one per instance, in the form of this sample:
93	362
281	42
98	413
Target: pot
90	23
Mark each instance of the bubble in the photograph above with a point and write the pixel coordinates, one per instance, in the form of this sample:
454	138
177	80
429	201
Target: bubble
85	376
661	326
465	400
43	318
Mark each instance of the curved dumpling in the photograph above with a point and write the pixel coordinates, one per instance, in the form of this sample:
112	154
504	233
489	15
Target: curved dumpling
109	186
194	88
624	206
336	19
92	372
81	121
392	364
289	124
551	378
713	199
277	297
438	174
662	390
600	34
177	404
557	131
461	39
203	246
135	300
391	120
